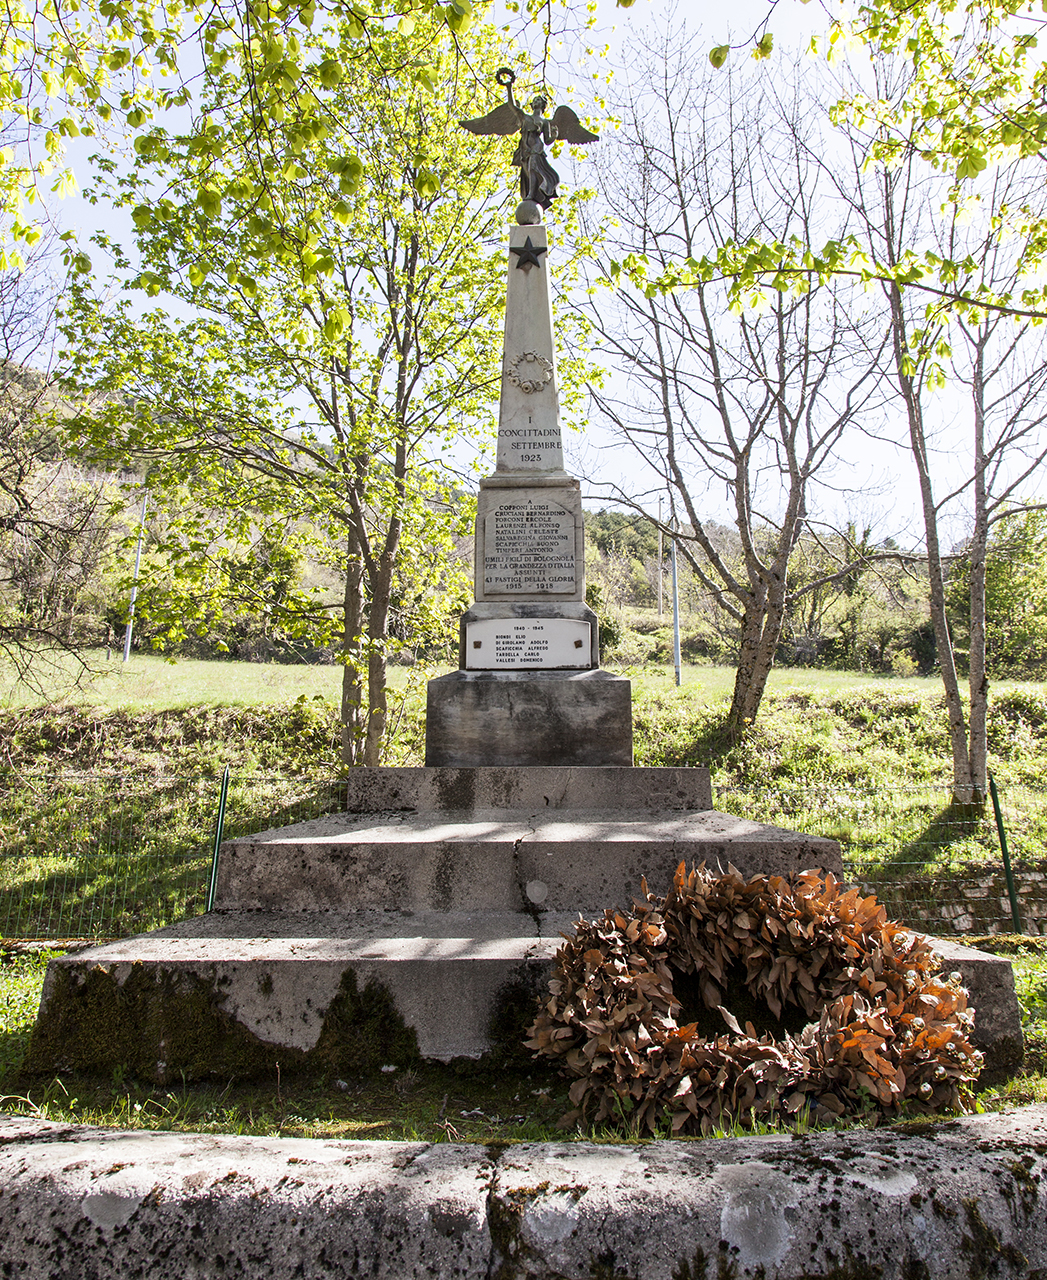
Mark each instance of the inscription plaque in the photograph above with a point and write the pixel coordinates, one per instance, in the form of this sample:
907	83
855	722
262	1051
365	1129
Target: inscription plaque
529	549
528	446
526	644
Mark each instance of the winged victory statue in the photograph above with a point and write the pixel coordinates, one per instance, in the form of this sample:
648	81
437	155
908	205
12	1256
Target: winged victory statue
538	179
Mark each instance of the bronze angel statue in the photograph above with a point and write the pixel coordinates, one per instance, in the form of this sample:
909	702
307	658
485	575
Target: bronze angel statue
538	178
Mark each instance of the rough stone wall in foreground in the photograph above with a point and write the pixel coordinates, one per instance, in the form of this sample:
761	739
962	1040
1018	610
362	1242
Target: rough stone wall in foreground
957	1200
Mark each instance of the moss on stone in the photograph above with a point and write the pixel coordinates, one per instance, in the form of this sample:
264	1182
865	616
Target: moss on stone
362	1031
163	1024
983	1248
515	1007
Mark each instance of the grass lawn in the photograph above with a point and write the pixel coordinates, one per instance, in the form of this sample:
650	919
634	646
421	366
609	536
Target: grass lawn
150	682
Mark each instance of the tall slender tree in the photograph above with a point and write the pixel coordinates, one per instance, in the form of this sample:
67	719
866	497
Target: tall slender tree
752	404
901	208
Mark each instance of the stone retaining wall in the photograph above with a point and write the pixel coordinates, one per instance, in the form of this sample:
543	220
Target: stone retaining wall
954	1200
973	900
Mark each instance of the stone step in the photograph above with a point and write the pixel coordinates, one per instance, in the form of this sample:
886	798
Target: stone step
524	790
276	975
278	986
496	859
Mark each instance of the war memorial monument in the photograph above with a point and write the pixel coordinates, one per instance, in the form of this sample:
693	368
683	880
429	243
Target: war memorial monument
414	917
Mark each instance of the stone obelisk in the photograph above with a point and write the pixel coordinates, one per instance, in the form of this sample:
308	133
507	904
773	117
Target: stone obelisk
529	690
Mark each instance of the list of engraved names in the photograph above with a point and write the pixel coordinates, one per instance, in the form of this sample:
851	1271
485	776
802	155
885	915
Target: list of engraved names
529	547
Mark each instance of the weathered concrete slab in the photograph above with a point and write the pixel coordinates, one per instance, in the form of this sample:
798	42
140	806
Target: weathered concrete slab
961	1200
524	718
451	893
229	992
584	860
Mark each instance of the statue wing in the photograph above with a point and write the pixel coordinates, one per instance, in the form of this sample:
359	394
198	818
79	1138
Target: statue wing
570	128
503	120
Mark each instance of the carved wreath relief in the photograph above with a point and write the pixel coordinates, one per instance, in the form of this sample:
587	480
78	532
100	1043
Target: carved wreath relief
530	372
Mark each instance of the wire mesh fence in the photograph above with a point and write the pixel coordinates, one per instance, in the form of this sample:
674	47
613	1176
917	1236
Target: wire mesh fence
935	864
94	856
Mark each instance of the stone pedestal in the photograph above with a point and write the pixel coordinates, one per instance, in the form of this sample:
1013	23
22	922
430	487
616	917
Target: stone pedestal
511	718
435	895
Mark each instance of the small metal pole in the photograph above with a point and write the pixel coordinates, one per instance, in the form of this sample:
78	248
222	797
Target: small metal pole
661	562
219	831
1012	893
134	581
676	613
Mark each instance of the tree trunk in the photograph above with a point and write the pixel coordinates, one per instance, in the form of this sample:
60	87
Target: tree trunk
377	670
978	680
352	667
963	783
761	632
377	698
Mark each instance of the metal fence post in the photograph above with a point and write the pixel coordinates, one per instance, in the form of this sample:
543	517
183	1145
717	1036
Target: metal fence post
219	829
1011	891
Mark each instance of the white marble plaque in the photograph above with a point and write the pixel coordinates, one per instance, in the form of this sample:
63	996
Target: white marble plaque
529	549
526	644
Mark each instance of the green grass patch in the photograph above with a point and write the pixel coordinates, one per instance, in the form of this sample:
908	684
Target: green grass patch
154	683
151	682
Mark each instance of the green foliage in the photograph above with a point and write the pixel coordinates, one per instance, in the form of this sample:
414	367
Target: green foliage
610	627
292	738
962	89
1015	597
868	737
341	344
116	68
621	531
58	521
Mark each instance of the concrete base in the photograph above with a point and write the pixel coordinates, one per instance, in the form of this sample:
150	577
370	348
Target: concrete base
522	718
274	983
950	1201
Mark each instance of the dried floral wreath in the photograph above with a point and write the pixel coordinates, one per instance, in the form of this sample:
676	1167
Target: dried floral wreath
854	1016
